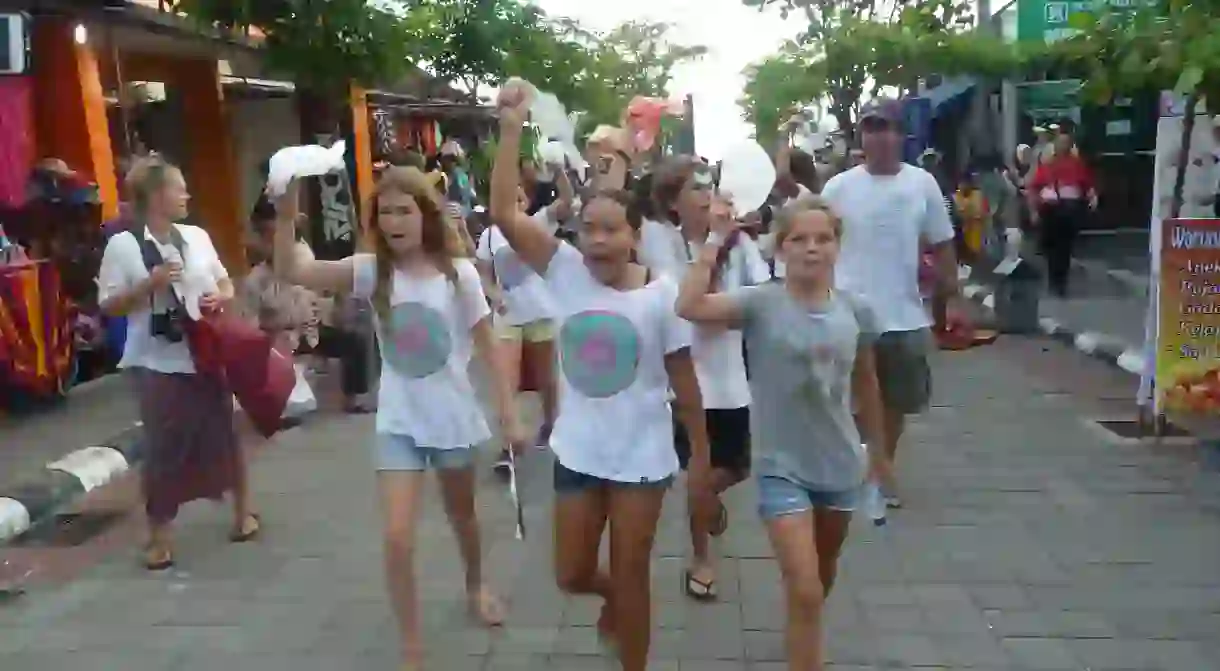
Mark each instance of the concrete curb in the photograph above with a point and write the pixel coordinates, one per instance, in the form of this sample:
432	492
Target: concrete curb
1131	282
1096	345
25	503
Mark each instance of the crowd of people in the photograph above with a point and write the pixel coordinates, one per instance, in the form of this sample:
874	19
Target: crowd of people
671	341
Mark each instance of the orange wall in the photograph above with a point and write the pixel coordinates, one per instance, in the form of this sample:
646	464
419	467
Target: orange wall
212	163
69	108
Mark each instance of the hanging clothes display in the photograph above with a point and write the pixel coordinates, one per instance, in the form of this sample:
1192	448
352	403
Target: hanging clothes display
421	134
385	141
16	138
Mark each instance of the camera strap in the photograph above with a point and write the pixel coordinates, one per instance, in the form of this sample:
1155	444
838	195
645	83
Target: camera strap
150	253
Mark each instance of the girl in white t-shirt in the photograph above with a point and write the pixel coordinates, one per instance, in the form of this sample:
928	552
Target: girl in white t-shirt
430	311
621	347
524	325
682	191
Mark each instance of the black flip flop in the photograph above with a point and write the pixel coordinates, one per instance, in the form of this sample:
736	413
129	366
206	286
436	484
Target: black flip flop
699	590
238	536
722	521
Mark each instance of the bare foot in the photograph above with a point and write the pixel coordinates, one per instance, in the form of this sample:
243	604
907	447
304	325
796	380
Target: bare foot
158	556
487	607
605	627
412	657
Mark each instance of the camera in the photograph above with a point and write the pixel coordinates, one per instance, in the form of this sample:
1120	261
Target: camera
169	325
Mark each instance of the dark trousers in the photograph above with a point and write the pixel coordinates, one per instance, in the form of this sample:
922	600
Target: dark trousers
1060	226
352	351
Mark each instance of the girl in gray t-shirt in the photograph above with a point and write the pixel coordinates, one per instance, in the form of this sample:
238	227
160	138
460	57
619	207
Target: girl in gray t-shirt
811	360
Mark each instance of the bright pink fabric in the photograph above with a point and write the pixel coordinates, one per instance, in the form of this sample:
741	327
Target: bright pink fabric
16	138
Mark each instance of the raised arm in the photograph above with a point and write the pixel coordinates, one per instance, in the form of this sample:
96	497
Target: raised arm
783	159
531	241
696	302
300	269
561	209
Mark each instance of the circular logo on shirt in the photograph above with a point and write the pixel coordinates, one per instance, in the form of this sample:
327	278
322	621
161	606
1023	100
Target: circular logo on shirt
511	271
599	352
418	343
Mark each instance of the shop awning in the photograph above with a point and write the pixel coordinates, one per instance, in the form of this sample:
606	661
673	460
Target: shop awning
948	95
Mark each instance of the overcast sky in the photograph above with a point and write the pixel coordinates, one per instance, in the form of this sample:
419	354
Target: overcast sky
736	36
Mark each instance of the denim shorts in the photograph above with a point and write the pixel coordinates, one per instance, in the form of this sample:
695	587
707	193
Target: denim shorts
780	496
399	452
568	481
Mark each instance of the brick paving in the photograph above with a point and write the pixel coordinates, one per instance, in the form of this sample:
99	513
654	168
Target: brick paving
1029	541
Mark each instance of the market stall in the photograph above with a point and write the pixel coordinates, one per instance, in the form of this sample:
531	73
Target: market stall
50	333
36	353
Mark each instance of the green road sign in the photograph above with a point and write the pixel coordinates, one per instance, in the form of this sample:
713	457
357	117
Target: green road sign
1049	20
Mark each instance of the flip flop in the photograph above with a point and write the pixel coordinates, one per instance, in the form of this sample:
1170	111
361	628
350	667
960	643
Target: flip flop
722	521
244	536
699	590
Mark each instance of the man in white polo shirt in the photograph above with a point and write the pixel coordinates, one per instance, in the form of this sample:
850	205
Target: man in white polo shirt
890	209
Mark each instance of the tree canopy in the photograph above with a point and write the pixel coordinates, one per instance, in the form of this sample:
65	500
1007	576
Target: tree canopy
326	45
852	49
323	46
1164	45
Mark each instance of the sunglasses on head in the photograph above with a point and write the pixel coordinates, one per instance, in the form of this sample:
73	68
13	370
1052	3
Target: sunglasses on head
701	180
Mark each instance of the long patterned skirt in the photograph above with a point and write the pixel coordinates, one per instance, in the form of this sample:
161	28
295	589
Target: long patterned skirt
191	445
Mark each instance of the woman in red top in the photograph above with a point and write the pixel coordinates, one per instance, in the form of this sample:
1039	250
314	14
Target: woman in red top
1060	196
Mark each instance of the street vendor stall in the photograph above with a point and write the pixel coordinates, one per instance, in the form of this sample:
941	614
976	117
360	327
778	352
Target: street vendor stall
35	335
49	329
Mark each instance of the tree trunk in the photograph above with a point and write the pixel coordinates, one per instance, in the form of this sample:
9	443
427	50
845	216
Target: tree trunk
1188	133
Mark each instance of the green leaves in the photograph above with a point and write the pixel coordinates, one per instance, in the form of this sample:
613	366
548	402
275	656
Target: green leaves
1189	80
322	45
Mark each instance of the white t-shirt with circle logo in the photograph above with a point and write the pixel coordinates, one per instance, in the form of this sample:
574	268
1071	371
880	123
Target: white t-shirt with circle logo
425	389
525	295
614	420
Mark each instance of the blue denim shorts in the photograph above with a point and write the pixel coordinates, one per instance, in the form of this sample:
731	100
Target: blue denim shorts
780	496
568	481
399	452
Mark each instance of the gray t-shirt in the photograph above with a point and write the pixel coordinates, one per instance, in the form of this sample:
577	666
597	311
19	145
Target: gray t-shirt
801	363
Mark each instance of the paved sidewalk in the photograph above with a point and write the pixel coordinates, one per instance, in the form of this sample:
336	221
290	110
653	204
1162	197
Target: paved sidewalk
1028	542
92	412
1101	317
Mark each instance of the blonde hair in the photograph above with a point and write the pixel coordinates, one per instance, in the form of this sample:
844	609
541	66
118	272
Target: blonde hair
438	237
804	204
146	176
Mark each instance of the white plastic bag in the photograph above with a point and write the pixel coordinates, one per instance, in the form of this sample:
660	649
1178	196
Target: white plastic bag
310	160
301	401
747	175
